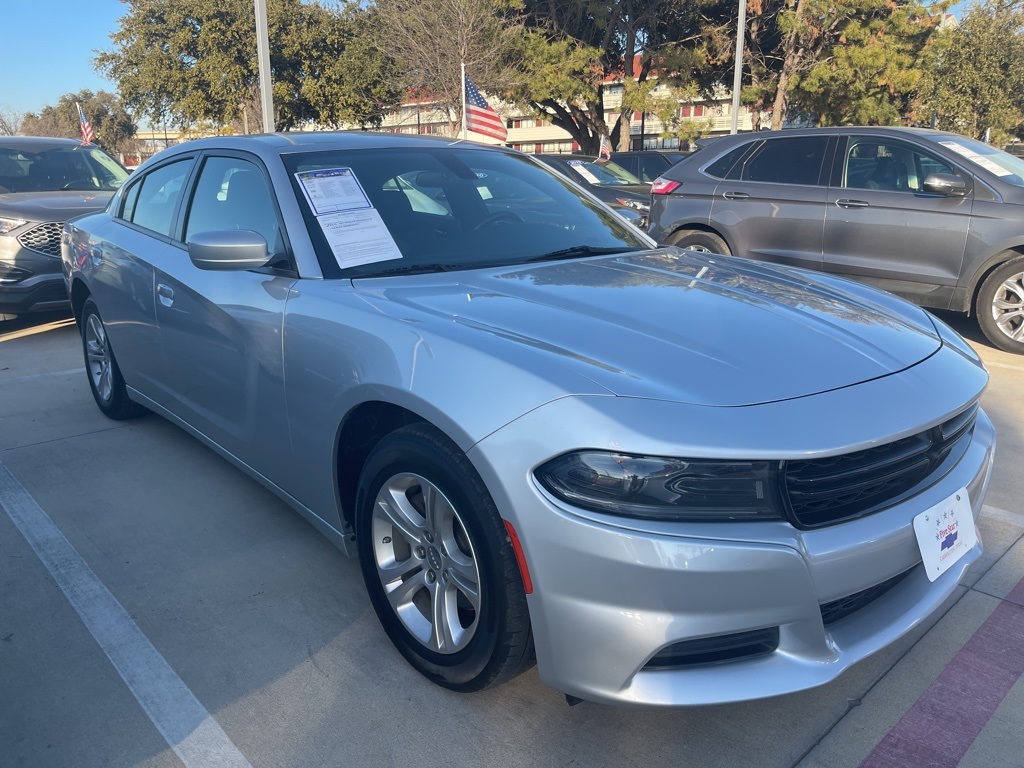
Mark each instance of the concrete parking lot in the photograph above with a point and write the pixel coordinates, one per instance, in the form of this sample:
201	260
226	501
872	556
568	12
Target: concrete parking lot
262	637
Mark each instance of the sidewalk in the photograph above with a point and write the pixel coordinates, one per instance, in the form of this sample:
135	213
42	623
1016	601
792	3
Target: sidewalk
956	699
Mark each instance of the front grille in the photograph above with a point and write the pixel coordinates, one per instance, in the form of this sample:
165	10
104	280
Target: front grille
844	606
826	491
715	650
43	239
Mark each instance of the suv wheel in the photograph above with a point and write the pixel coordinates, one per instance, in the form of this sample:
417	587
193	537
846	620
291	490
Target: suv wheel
696	240
1000	306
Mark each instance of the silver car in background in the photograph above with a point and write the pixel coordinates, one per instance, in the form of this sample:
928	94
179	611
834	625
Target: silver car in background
670	478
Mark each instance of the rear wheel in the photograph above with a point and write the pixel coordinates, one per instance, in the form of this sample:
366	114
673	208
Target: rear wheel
438	565
105	380
1000	306
697	240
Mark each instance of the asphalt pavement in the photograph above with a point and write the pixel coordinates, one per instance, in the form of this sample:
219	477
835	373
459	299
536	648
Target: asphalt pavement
139	568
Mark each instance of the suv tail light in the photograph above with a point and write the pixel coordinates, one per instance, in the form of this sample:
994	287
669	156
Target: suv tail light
663	186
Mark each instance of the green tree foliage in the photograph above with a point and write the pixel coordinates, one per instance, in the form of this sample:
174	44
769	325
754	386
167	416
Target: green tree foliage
194	60
575	49
429	41
973	78
832	62
866	71
111	123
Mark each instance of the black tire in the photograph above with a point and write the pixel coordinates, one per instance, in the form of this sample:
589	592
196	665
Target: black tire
698	240
999	299
489	643
105	380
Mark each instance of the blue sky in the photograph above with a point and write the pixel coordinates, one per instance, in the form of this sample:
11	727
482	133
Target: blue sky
48	47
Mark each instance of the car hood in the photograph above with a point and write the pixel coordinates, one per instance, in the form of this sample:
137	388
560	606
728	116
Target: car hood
52	206
676	325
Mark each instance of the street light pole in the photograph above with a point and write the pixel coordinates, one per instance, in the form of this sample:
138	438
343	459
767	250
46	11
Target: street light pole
737	75
263	55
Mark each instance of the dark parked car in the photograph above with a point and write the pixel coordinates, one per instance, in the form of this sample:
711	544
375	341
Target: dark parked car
44	182
607	181
934	217
648	164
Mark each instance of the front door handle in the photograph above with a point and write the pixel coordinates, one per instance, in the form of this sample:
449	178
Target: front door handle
165	293
735	195
845	203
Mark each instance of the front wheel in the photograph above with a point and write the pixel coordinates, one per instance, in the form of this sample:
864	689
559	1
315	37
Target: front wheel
698	240
438	564
1000	307
105	380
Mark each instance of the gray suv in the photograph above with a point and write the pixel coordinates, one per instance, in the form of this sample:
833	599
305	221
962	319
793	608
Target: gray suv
43	183
934	217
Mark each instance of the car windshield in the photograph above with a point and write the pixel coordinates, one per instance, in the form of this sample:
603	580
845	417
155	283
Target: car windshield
1008	168
57	168
602	174
445	208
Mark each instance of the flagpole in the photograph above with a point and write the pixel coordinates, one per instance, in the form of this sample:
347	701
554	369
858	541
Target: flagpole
464	130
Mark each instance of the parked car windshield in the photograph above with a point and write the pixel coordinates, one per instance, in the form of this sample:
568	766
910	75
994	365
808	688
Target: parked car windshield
62	167
460	207
1007	167
603	174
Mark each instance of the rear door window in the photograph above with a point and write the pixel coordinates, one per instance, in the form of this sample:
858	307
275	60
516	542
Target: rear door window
795	160
158	193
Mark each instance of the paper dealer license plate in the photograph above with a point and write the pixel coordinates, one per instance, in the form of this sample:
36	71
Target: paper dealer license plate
945	533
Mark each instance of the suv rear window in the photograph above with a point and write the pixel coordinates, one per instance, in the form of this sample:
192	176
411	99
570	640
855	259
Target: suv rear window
722	166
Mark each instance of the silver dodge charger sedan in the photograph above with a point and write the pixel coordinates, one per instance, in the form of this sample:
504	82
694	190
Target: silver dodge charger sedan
670	478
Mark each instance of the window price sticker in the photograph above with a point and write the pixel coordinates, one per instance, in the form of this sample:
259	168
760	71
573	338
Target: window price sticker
331	190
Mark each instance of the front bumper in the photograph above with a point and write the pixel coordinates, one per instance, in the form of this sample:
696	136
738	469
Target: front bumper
610	593
29	281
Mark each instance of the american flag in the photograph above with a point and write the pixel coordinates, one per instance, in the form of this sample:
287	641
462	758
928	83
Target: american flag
480	118
87	135
605	153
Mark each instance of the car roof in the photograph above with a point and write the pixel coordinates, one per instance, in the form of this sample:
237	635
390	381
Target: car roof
302	141
574	156
37	143
854	130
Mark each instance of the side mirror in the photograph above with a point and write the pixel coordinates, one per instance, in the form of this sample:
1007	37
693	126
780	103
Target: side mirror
228	249
945	184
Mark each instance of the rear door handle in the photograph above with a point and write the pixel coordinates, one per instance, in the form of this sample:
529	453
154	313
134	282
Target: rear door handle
735	195
845	203
165	293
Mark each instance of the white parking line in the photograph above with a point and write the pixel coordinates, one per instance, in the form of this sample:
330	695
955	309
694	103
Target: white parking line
193	734
1013	518
35	376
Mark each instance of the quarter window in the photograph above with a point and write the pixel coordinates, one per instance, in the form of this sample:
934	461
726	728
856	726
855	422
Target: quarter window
721	168
152	202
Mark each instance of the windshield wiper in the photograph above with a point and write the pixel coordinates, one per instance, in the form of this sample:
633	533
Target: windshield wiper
581	250
410	269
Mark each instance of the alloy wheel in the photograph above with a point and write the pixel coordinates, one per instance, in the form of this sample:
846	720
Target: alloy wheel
1008	307
98	357
426	563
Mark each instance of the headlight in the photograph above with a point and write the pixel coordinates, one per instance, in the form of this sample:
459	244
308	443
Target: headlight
660	488
637	205
7	225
